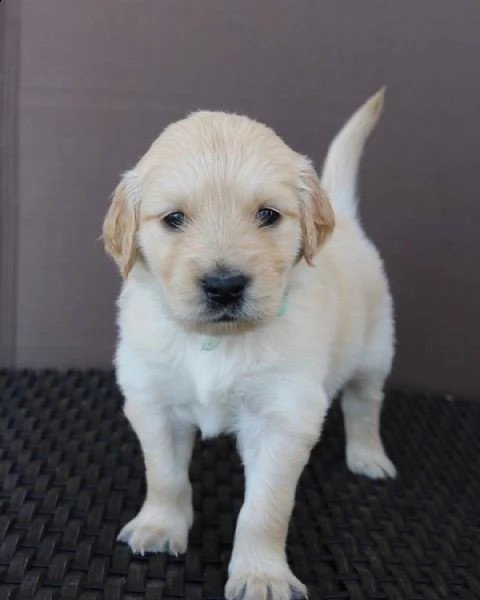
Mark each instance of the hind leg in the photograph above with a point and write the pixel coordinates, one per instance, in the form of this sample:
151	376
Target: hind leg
361	404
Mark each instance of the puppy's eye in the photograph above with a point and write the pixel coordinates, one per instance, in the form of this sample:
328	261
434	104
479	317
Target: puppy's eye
268	217
175	220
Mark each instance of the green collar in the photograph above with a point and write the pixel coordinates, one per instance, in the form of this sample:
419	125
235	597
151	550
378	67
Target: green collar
210	342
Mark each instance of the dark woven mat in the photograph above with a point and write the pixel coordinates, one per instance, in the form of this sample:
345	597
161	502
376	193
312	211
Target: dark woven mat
71	474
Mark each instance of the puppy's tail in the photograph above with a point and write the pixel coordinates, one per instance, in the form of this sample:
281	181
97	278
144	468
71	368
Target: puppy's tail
339	176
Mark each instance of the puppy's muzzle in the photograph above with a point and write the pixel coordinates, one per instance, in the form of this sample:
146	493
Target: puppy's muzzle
225	289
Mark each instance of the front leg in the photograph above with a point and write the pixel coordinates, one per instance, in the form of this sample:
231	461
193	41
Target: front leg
164	521
276	432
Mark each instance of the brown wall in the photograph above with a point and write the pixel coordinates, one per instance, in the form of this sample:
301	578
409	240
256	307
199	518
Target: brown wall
100	78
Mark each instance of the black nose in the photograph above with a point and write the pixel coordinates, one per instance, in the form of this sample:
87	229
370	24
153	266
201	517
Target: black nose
224	288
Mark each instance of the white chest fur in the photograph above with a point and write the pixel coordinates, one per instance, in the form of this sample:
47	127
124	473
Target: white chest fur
203	387
218	378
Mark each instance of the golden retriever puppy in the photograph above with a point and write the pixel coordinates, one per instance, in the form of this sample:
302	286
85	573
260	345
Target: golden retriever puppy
251	296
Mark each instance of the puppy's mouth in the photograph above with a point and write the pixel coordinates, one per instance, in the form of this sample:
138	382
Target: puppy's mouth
226	320
227	315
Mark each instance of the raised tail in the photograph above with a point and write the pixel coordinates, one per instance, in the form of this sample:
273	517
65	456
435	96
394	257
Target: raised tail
339	176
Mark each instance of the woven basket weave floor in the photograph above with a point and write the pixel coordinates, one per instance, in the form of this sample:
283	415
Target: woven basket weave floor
71	474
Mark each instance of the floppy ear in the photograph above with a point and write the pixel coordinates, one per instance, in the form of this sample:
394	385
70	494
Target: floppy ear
317	215
121	223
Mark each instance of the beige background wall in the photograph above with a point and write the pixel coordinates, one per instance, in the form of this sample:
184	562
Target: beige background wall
99	79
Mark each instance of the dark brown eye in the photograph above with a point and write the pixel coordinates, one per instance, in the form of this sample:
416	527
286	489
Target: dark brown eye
268	217
175	220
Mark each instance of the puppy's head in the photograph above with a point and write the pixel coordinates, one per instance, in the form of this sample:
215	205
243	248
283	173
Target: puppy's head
220	210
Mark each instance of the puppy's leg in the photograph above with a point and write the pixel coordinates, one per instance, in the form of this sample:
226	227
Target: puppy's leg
275	439
362	403
163	523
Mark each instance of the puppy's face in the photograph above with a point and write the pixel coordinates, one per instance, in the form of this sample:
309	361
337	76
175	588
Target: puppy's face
220	210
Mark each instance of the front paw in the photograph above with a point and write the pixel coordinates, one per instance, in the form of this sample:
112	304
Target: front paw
276	583
158	529
371	462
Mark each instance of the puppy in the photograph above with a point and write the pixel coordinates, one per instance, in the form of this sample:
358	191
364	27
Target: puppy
251	297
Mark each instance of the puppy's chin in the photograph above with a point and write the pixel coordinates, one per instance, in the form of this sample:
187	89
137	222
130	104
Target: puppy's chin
200	318
226	323
233	327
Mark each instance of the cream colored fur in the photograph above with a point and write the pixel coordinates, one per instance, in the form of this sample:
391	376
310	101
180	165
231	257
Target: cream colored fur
271	378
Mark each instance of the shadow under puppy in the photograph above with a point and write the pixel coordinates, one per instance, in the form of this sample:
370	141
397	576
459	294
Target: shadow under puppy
251	296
